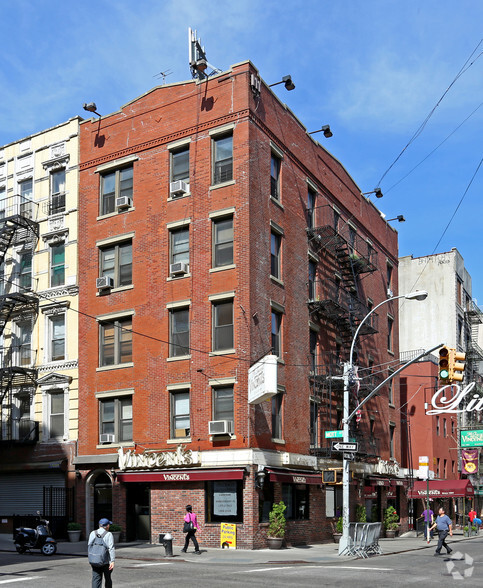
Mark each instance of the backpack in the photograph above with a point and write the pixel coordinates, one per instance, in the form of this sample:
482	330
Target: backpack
98	552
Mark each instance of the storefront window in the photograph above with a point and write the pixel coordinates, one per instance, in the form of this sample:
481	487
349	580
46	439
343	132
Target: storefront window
296	499
224	501
265	502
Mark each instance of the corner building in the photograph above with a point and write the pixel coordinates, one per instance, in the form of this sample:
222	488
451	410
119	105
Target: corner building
214	232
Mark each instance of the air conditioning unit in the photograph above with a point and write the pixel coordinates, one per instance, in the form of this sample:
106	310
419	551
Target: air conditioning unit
390	293
178	188
123	202
106	438
176	269
104	283
220	427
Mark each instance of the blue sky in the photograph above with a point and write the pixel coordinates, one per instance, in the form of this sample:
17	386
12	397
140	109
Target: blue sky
372	69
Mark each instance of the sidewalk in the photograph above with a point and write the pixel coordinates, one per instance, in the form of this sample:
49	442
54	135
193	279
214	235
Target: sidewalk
319	553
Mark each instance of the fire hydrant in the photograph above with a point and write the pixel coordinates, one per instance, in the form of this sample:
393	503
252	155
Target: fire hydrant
168	545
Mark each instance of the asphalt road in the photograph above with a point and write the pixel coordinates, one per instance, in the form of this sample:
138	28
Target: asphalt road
414	567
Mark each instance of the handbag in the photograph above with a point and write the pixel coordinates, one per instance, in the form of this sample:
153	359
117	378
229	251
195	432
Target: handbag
188	526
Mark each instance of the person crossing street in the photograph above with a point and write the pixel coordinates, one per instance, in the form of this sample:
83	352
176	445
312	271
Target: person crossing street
444	525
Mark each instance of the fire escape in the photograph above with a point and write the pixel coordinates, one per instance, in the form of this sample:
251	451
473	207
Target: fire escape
335	300
19	232
474	353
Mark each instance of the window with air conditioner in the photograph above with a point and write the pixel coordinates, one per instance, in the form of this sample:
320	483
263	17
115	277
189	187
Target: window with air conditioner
115	342
115	184
223	404
180	171
116	419
222	159
179	250
116	263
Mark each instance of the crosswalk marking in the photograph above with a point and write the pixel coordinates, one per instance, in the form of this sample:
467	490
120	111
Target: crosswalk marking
161	563
24	579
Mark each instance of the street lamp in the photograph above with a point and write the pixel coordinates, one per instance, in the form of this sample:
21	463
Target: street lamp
348	371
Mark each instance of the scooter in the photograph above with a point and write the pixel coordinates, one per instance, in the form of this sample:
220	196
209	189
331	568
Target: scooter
26	539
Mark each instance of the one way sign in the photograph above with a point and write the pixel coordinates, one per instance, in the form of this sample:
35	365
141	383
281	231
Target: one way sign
350	447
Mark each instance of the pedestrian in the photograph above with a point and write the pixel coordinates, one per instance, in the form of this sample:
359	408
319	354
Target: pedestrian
428	516
444	525
471	516
101	554
190	527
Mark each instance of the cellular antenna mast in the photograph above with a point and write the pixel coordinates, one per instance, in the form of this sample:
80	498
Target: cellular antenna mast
197	57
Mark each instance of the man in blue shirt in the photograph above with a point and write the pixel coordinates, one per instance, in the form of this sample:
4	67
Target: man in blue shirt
444	525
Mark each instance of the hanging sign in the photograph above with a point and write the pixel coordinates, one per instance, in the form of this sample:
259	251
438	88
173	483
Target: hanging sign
262	380
472	438
470	461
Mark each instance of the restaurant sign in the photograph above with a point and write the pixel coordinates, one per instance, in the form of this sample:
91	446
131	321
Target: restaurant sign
156	459
472	438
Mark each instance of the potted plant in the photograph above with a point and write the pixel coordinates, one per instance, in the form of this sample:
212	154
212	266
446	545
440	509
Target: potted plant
361	514
74	531
337	530
276	526
116	531
391	522
465	531
474	530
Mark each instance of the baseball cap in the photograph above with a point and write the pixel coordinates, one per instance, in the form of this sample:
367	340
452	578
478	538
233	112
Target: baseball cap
104	522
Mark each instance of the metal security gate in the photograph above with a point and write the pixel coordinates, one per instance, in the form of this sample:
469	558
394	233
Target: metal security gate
58	508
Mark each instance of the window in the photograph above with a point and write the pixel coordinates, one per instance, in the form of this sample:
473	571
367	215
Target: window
389	270
223	325
180	245
314	424
57	191
180	165
459	291
56	414
392	429
57	265
116	263
312	273
57	337
390	334
25	189
115	342
116	418
113	185
352	238
372	427
391	389
223	405
313	349
452	428
445	468
296	499
224	501
437	425
222	242
438	462
222	159
336	221
25	271
24	343
275	165
277	401
275	246
180	413
310	208
277	333
179	332
445	432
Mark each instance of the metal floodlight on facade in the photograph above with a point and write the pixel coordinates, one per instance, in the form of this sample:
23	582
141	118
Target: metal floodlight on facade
376	191
287	81
323	129
91	107
400	218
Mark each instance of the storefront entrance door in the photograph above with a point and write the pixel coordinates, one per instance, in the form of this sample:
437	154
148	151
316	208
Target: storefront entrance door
138	512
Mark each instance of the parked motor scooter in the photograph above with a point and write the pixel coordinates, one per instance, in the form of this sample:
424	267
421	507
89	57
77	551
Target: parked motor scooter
26	539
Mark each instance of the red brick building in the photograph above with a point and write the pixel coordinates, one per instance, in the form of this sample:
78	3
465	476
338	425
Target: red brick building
214	231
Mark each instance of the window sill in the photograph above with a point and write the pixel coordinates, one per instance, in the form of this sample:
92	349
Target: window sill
178	358
278	441
391	405
178	440
227	437
277	281
221	185
180	277
106	368
223	352
221	268
116	444
114	290
277	202
391	352
115	213
174	198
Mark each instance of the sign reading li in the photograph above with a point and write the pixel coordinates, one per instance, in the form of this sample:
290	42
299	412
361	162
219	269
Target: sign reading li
442	405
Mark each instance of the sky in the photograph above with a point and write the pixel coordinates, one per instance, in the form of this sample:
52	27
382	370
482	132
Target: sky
399	81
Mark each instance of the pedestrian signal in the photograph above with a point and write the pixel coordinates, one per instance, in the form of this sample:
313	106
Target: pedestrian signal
457	365
444	363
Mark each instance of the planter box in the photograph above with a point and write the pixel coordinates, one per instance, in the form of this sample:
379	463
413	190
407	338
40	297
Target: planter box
274	542
74	536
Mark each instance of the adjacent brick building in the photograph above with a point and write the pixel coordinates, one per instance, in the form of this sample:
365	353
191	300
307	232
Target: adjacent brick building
215	231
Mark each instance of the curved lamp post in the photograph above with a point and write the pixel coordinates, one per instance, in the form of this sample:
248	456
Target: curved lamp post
348	368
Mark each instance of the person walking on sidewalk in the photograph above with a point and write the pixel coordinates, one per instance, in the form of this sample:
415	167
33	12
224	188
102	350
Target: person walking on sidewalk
444	525
104	569
190	527
428	515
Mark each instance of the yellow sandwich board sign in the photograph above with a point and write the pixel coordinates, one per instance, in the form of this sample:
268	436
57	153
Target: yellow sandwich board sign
227	536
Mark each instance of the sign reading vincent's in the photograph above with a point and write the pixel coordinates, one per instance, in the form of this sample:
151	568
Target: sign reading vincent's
156	459
441	404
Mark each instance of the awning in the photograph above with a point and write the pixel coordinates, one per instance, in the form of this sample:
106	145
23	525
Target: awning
182	475
370	492
380	482
441	488
291	477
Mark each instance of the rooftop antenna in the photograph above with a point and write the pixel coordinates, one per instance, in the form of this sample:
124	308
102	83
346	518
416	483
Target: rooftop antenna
197	57
163	74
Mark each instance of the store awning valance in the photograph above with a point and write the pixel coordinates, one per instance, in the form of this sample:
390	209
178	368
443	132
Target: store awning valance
195	475
442	489
291	477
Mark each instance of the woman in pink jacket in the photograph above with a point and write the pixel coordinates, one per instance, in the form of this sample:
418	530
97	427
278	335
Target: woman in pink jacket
190	518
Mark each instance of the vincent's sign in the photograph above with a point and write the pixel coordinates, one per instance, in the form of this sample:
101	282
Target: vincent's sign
156	459
442	405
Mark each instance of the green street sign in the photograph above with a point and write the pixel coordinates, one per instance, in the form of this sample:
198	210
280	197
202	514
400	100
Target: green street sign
333	434
472	438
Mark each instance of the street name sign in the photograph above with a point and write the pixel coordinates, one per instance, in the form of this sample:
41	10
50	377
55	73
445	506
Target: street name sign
350	447
349	456
333	434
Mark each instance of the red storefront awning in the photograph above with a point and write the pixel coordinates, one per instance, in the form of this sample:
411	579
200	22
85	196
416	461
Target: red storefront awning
294	477
442	489
182	475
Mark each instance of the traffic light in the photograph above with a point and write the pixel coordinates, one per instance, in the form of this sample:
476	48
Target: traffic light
456	365
444	363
